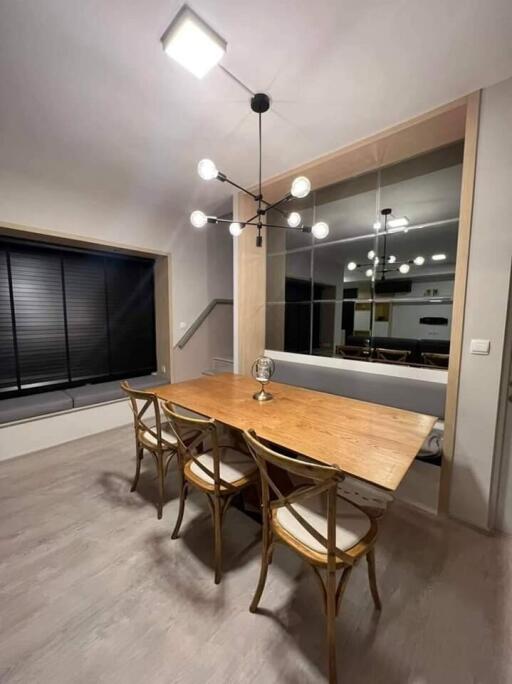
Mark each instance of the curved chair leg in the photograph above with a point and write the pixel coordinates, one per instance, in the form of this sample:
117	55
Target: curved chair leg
183	496
331	624
139	453
372	577
160	466
266	559
217	532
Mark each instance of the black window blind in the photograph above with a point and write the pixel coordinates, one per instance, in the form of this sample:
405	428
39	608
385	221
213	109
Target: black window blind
8	377
68	317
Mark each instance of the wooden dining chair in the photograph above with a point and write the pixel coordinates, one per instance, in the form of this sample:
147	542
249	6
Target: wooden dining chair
329	532
219	471
159	440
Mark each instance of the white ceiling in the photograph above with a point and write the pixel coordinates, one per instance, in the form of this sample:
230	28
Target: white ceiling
90	102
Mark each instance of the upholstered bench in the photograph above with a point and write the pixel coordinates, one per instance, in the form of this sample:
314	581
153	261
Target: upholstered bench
44	403
19	408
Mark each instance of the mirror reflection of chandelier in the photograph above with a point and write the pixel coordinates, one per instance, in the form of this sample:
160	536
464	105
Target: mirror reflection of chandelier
379	265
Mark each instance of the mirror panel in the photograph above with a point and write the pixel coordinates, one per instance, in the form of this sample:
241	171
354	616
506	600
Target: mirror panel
373	292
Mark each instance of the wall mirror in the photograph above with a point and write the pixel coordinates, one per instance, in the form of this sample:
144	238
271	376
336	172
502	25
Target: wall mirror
380	287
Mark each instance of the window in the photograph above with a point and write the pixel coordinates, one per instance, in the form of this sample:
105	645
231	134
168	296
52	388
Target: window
70	316
332	298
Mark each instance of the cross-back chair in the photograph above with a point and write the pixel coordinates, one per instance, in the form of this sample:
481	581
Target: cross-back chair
393	355
160	441
436	360
326	530
219	471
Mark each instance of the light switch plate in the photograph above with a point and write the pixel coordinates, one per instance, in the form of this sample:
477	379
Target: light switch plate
480	346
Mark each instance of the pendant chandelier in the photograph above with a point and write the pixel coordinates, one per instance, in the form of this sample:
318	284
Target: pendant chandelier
382	264
300	188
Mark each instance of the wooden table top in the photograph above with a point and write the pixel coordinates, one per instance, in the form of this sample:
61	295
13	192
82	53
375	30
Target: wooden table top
369	441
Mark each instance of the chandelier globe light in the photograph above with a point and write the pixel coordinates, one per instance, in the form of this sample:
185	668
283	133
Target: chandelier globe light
207	169
294	219
198	219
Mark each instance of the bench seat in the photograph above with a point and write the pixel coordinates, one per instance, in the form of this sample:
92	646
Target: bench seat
34	405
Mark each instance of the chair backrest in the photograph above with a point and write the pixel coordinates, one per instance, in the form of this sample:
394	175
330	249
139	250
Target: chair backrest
395	355
325	481
192	433
140	403
435	359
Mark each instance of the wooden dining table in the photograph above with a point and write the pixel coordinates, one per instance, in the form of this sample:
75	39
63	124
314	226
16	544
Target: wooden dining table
369	441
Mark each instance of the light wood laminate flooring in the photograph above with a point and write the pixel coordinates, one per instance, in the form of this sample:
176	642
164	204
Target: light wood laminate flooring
93	590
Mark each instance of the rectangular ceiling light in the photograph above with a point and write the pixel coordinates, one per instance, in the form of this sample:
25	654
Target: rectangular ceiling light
192	43
398	222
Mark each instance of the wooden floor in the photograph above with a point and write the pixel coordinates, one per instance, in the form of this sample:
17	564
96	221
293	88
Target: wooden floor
92	590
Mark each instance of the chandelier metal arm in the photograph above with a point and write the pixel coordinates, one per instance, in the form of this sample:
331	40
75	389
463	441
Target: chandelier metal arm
214	219
224	179
287	197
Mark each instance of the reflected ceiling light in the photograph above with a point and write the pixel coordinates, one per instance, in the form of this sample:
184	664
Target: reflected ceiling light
377	225
294	219
192	43
320	230
198	219
301	187
391	259
371	254
438	257
419	260
207	169
376	261
400	222
235	229
404	268
351	265
369	272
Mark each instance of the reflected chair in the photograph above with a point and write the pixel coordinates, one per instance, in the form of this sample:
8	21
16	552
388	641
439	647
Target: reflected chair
392	355
159	440
329	532
435	360
349	351
219	471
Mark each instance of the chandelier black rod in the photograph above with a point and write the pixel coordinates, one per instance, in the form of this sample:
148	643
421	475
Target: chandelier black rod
214	219
224	179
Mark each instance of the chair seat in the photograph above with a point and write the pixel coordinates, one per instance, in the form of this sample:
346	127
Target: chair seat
352	524
168	438
234	466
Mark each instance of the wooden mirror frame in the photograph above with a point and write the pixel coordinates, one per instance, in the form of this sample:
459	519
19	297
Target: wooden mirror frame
442	126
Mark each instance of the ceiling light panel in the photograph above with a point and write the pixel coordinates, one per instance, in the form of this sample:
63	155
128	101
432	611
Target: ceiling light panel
192	43
400	222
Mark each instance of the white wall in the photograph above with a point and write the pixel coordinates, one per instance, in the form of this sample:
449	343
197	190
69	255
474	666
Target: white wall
26	436
214	339
486	311
202	264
